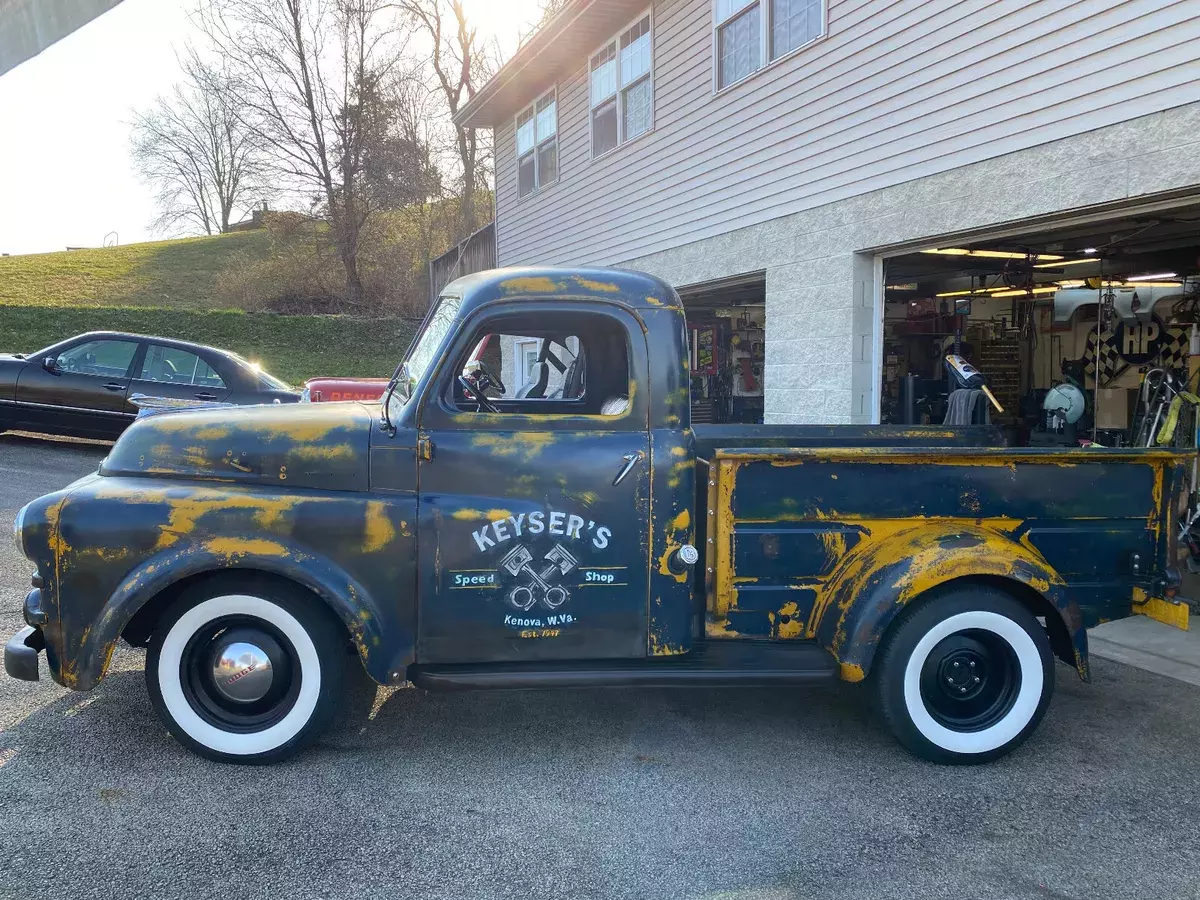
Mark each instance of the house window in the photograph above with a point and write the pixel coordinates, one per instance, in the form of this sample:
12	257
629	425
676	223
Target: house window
527	363
750	33
537	145
622	90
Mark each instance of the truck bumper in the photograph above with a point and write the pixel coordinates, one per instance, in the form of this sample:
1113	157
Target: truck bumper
21	653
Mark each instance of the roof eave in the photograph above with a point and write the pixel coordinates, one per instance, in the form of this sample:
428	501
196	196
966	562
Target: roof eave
556	46
471	114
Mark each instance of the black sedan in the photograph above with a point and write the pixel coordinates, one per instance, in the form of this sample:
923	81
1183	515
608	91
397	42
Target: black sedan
82	386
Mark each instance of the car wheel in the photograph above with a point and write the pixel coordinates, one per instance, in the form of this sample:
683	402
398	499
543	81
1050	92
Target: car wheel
964	676
246	670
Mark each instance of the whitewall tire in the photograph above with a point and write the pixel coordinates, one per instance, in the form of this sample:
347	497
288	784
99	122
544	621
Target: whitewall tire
964	676
246	669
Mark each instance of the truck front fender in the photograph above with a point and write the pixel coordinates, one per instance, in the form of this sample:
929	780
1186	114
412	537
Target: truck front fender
84	665
875	584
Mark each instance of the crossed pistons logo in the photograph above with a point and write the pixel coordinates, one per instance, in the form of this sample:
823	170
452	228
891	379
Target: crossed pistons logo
538	586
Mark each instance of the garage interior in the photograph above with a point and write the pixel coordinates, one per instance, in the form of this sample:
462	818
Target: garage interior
1083	333
726	323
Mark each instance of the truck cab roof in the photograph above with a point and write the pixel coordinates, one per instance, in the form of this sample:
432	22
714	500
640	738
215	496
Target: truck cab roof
635	290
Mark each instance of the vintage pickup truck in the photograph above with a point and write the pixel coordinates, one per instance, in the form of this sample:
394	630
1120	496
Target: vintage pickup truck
529	507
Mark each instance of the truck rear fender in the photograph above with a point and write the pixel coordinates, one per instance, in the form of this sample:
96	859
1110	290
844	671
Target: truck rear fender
874	586
382	647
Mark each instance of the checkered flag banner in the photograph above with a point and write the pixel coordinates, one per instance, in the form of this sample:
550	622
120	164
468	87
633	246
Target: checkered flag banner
1172	353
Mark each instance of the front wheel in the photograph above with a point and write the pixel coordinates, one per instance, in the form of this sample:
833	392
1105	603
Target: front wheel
965	676
246	670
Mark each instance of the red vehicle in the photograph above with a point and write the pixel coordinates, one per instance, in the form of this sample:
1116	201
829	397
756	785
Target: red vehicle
330	390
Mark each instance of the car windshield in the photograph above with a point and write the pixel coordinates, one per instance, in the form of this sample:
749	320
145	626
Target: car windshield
424	349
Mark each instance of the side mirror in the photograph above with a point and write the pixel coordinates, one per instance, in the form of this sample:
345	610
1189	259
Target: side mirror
50	363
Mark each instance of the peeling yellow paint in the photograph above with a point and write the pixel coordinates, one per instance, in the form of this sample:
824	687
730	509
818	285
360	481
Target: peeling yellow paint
466	514
324	453
379	530
235	546
605	287
526	444
531	284
852	673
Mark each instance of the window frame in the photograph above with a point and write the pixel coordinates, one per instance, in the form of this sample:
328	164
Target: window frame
435	409
618	97
521	347
531	108
764	40
194	353
79	345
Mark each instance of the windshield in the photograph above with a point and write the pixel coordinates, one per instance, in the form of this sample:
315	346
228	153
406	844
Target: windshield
425	348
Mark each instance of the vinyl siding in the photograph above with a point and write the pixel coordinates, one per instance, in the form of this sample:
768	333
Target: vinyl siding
895	91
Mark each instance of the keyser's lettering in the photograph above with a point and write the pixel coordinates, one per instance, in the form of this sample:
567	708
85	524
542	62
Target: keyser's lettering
557	523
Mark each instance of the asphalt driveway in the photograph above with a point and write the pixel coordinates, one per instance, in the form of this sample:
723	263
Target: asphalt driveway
739	794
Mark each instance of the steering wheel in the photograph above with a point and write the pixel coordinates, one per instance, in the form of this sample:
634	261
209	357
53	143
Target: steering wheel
476	379
72	364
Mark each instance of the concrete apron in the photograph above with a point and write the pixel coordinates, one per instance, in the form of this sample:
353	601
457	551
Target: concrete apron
1146	644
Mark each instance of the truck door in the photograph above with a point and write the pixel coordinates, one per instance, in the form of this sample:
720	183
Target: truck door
534	481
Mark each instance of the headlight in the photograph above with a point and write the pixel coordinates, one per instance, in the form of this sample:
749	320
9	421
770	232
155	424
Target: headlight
18	525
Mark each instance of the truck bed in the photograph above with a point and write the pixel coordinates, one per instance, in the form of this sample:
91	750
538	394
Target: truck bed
799	531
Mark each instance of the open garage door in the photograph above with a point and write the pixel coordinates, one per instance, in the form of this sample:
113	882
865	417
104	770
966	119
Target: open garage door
727	337
1081	331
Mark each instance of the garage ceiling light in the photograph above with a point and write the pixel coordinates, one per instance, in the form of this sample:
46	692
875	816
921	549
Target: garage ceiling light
990	254
912	286
1139	284
976	292
1161	276
1065	262
1048	289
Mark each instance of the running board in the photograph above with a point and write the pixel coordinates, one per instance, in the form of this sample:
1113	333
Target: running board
745	663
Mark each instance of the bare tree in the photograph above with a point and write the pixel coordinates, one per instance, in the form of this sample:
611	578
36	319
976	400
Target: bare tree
307	75
461	63
202	160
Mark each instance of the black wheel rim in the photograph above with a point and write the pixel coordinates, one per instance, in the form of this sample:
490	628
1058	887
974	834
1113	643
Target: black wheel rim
970	680
214	705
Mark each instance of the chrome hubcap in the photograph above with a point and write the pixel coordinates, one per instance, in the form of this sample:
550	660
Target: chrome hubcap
242	671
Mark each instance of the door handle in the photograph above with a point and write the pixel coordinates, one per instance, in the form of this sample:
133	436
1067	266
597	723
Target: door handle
205	395
114	386
631	460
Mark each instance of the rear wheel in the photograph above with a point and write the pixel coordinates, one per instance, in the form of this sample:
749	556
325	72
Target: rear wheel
965	676
246	670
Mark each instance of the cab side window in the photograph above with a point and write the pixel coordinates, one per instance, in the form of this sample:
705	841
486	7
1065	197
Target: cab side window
579	365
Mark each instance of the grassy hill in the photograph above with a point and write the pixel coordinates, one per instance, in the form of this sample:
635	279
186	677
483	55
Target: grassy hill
169	288
180	274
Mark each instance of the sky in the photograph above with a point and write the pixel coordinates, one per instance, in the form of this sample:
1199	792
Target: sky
66	179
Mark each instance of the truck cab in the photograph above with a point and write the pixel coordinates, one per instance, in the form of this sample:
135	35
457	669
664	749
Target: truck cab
555	469
528	506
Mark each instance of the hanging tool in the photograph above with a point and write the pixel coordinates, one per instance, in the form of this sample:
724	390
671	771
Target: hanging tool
967	376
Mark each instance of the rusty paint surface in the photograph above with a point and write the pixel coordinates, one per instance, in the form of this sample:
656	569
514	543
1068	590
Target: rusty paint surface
164	507
823	544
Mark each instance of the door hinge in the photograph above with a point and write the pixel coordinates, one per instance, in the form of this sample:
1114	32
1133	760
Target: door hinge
424	448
